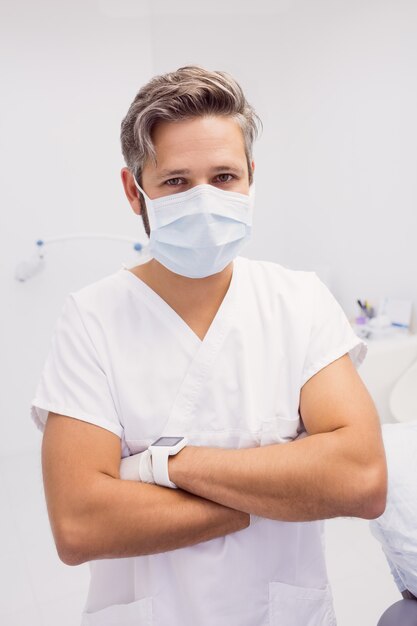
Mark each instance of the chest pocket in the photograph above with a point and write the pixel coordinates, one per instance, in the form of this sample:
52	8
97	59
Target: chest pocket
300	606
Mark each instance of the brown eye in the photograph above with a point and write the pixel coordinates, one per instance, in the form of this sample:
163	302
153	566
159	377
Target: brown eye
174	181
224	178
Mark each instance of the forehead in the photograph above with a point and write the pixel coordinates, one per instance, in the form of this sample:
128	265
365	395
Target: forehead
198	141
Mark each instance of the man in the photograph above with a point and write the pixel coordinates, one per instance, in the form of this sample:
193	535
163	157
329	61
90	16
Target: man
235	357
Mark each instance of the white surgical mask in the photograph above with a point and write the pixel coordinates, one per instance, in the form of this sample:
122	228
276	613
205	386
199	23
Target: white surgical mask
196	233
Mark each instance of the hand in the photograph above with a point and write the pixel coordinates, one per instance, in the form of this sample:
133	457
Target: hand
137	467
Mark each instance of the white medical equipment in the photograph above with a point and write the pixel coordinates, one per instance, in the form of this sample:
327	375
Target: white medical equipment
396	528
403	398
29	267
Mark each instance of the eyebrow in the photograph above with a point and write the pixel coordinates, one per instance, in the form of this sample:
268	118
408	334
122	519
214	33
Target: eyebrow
219	168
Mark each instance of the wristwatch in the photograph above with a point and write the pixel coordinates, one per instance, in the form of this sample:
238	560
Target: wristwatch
160	450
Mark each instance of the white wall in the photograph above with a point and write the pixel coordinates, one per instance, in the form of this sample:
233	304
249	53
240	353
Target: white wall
69	72
333	81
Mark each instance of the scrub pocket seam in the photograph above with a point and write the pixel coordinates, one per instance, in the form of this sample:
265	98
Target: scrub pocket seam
292	604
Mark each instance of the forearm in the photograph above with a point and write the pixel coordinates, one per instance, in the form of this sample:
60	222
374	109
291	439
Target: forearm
316	477
124	518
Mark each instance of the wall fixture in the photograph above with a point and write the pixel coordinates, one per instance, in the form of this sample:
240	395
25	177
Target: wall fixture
28	268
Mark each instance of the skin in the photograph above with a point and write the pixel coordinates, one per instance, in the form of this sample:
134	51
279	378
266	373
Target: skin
339	470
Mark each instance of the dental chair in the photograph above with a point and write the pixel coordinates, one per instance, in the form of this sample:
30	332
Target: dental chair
403	397
403	407
402	613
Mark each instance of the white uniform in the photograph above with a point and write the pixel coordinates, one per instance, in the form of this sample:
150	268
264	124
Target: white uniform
123	359
396	528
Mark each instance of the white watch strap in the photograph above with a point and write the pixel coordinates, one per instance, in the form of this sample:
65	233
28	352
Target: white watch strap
160	467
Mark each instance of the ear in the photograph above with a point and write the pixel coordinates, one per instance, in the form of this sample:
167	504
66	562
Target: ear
131	191
253	166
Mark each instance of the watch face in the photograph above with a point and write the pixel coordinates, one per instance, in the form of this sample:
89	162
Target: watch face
167	441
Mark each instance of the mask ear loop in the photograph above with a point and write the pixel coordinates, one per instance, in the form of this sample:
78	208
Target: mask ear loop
145	213
140	188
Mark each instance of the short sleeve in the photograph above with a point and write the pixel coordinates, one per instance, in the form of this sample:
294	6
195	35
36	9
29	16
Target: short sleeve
72	381
331	334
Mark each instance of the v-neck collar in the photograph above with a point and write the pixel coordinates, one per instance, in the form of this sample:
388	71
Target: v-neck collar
169	315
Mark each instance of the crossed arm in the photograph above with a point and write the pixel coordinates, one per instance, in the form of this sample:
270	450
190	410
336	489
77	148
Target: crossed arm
339	470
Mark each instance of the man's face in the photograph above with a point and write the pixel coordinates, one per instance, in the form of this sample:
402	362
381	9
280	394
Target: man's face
203	150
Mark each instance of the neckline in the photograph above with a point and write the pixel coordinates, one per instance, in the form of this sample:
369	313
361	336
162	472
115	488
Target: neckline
171	316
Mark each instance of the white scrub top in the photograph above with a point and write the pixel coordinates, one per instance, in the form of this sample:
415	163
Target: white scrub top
396	528
123	359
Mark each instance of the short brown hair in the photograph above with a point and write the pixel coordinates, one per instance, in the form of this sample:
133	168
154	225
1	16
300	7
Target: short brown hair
190	91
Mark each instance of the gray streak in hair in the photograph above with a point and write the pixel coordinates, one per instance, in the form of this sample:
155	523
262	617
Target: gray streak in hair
188	92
